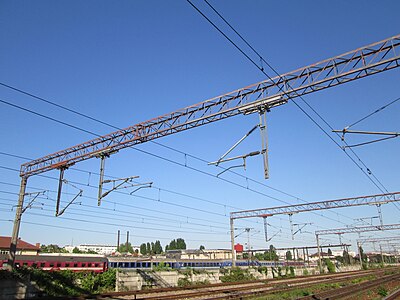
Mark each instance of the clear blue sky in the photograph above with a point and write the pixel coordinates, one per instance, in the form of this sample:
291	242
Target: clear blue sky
129	61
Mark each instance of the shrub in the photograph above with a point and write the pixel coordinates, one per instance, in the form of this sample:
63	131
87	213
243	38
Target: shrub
237	274
382	291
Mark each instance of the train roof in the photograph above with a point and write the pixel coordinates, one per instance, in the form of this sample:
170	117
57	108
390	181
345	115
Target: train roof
59	258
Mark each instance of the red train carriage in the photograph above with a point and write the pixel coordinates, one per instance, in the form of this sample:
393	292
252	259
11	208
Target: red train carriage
97	264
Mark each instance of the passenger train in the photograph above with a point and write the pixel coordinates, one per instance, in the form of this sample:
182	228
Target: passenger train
99	264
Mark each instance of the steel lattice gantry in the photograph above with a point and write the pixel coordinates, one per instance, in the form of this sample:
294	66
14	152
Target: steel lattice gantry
377	240
311	206
360	63
353	230
358	229
264	213
375	58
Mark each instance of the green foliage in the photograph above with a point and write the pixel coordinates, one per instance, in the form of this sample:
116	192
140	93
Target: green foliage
202	247
305	273
143	249
184	282
162	266
289	255
267	255
292	274
177	244
382	291
68	283
124	249
263	270
52	249
329	252
330	265
76	250
236	274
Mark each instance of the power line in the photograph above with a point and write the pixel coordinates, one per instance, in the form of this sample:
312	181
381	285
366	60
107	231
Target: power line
151	154
374	112
210	174
308	115
96	231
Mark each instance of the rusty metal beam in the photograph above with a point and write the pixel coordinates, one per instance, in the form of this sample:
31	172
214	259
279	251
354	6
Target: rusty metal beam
358	229
356	64
321	205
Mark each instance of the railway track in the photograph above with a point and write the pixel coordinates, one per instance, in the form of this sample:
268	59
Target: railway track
351	290
241	289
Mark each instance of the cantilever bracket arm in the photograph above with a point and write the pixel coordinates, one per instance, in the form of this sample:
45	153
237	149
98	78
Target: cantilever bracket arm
117	185
141	186
59	213
301	226
29	205
222	158
389	135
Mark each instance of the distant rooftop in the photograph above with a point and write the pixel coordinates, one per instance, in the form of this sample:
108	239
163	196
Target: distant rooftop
5	242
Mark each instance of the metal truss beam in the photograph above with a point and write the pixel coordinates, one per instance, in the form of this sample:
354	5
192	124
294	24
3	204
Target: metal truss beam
358	229
386	239
291	209
356	64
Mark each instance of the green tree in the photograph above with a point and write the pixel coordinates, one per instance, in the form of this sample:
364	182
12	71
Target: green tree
172	245
153	250
180	243
76	250
148	248
202	247
288	255
52	248
123	249
157	247
346	257
330	265
329	252
143	249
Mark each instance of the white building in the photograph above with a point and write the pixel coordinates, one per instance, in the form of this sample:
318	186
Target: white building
100	249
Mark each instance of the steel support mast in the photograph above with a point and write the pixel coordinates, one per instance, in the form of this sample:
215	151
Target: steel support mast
365	61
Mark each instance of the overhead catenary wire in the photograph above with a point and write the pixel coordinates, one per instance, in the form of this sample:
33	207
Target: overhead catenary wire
366	172
115	127
160	157
373	113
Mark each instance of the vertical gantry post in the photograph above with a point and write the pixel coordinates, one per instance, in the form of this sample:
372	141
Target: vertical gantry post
118	237
264	142
359	254
383	260
319	254
291	225
127	242
265	228
17	223
60	184
233	243
102	164
380	214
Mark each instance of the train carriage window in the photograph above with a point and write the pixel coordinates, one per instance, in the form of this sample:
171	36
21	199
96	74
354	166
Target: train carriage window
34	265
58	265
133	265
96	265
25	264
83	265
42	265
66	265
51	265
75	265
